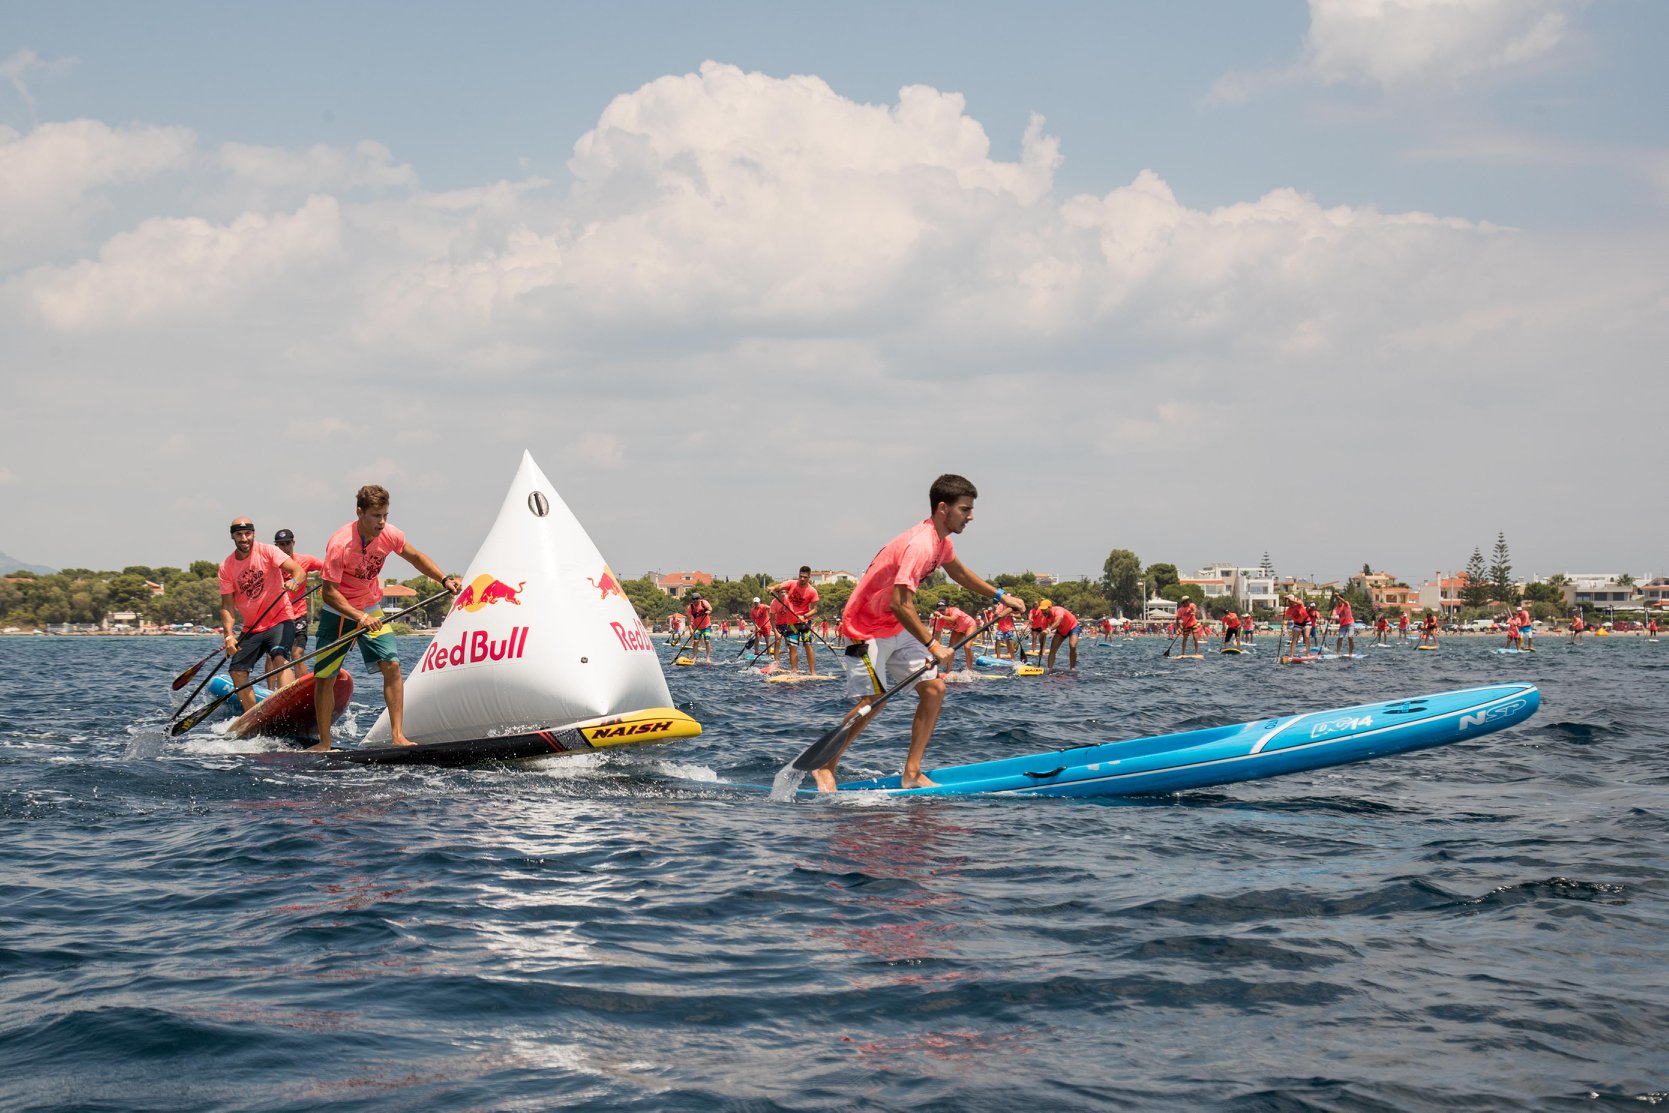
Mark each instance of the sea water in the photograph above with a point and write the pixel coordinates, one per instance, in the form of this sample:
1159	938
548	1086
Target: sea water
186	925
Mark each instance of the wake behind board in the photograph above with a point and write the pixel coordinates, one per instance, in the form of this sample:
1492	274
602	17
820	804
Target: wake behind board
288	712
1245	752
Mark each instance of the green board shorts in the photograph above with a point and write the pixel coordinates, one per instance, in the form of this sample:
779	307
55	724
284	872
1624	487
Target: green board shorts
374	648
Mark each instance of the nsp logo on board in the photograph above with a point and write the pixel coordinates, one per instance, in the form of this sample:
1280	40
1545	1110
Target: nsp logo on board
1340	725
1491	714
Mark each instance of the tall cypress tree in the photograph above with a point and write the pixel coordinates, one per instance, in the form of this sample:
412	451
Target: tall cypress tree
1476	591
1501	572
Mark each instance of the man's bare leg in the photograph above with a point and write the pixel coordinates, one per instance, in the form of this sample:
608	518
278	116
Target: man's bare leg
931	694
324	702
394	695
825	775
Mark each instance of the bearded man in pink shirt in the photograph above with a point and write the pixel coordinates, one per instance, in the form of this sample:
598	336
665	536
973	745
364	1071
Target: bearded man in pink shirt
353	599
889	640
254	579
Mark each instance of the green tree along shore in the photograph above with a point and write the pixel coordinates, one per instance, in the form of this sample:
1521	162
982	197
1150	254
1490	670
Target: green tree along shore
191	595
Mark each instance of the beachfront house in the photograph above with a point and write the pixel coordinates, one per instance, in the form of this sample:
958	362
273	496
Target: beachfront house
680	584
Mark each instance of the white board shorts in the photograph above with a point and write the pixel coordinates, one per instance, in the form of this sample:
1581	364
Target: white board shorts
886	662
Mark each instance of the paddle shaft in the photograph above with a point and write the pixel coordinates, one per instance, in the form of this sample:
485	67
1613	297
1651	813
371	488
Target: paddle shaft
207	709
820	752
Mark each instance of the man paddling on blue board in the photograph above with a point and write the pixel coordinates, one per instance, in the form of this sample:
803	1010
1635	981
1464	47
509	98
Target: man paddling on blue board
254	579
889	640
353	599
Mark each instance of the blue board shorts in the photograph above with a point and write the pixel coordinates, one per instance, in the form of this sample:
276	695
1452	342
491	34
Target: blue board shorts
374	648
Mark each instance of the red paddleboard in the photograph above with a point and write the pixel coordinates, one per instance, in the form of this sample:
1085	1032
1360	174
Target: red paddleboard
289	711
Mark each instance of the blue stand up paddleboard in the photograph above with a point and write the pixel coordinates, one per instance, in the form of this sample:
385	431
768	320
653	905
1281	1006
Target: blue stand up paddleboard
1250	751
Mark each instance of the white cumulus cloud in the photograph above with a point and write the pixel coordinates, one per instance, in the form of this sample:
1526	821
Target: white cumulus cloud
1403	43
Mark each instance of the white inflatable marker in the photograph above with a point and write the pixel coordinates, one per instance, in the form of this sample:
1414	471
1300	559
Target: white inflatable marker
541	636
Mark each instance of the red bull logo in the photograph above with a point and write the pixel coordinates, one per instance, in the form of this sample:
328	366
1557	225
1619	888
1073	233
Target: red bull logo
607	585
485	589
473	647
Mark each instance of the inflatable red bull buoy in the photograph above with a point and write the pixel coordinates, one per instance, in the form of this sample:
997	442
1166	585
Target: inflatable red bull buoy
540	653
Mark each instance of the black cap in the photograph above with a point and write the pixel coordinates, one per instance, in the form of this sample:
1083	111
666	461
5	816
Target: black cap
283	535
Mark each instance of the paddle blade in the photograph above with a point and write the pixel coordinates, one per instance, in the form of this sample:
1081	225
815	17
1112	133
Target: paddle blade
194	718
828	747
184	678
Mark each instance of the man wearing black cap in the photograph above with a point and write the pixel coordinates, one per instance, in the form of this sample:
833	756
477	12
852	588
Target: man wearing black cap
296	626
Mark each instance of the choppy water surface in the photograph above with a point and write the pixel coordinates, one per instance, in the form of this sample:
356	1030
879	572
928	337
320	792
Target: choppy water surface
1482	926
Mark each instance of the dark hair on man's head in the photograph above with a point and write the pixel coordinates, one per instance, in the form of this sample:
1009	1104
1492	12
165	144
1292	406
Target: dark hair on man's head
371	497
949	488
805	569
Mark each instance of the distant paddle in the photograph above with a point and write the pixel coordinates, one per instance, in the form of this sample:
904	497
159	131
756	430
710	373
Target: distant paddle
209	708
826	748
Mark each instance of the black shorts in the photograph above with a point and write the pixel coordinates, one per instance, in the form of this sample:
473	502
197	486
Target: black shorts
257	647
296	640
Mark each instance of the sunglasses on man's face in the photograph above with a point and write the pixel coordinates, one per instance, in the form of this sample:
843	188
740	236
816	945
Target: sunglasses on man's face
242	529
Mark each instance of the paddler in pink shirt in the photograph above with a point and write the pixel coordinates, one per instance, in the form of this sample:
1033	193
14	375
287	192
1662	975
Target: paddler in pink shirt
1062	626
353	600
254	579
793	602
889	640
1346	619
296	639
960	623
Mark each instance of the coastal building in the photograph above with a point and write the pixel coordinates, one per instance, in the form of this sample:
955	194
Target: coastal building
819	579
1246	587
1599	589
1441	594
678	584
1386	592
1654	592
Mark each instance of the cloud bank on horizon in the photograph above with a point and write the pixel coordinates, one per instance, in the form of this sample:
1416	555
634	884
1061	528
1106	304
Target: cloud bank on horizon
758	301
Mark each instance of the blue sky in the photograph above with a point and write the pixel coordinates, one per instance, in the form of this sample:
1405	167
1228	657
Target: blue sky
1416	230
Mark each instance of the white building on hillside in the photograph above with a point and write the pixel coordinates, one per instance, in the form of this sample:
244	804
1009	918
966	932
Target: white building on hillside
1247	587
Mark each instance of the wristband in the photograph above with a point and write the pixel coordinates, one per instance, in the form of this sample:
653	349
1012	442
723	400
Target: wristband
998	598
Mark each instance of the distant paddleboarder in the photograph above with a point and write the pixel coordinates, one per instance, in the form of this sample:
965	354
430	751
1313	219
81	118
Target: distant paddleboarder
352	593
959	623
701	625
1188	624
889	640
1063	627
1346	619
797	601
